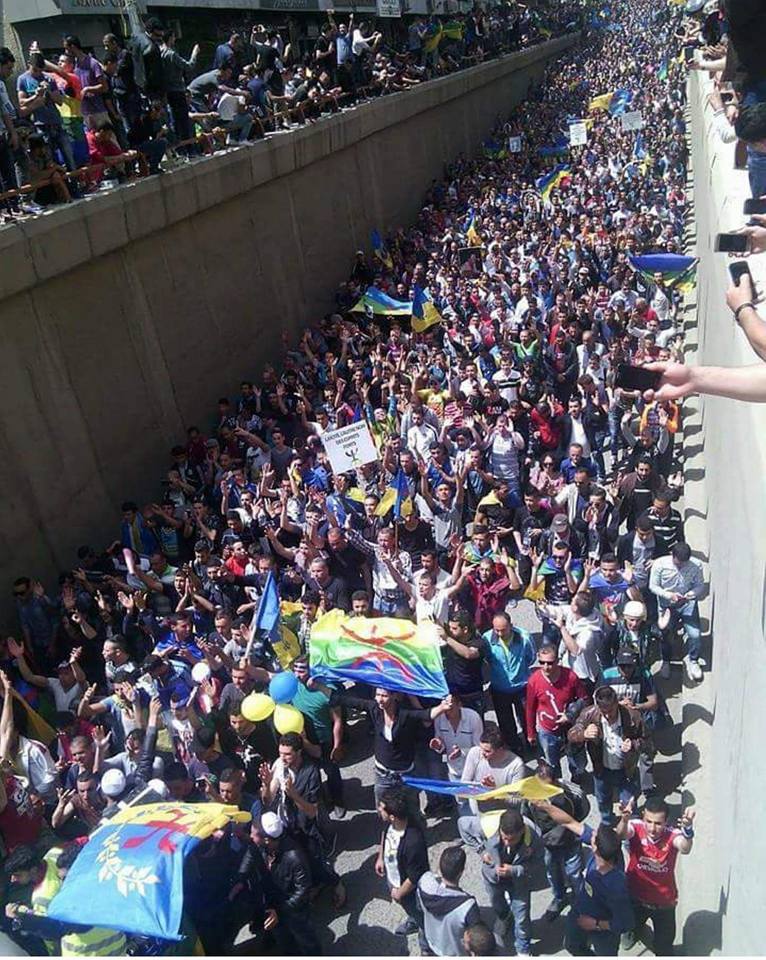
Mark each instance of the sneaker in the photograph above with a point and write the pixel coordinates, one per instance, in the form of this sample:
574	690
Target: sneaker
628	940
693	670
553	910
664	669
406	927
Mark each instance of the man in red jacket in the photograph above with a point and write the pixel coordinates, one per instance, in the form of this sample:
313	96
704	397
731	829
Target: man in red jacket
550	691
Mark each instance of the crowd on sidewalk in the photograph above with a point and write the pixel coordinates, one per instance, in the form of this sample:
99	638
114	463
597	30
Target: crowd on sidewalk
524	469
139	106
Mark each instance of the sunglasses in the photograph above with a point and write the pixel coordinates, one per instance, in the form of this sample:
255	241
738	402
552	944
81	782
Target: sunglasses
547	663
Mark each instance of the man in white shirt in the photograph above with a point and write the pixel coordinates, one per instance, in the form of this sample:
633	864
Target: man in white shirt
456	732
678	583
420	436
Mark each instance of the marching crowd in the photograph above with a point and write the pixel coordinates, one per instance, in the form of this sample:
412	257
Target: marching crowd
529	476
92	119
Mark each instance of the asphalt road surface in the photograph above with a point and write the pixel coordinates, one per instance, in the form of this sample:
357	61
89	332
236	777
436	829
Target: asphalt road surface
365	925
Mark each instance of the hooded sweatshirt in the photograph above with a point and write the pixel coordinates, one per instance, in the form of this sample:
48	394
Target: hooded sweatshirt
447	911
587	631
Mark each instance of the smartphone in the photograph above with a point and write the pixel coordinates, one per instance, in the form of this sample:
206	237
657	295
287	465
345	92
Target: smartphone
755	205
737	270
636	378
732	243
689	53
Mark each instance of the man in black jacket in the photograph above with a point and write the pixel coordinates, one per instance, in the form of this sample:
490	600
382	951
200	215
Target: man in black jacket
277	864
402	860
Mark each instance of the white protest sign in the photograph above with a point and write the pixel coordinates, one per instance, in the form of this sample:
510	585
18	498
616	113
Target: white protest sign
349	447
632	121
514	145
388	8
578	134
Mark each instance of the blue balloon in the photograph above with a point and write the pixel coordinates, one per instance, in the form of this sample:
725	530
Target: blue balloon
283	687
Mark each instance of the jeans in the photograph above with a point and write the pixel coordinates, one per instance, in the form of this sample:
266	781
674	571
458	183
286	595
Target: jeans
616	439
689	616
564	865
469	828
239	127
589	943
509	707
663	926
606	784
58	139
388	603
756	171
506	901
392	780
410	906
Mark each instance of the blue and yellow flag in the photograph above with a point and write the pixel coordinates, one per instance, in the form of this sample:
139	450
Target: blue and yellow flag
381	250
397	495
677	270
494	150
454	30
552	179
615	102
472	234
433	38
375	301
424	312
268	619
129	875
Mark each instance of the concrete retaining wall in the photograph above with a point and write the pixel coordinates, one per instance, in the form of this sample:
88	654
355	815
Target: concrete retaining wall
724	719
126	315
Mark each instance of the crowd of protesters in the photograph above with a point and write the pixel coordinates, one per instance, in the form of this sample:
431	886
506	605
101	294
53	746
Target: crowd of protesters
532	476
87	120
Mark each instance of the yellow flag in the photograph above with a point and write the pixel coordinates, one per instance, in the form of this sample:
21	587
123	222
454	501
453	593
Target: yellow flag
387	502
530	788
288	648
601	102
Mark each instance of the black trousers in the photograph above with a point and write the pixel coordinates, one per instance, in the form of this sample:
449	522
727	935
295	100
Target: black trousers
663	926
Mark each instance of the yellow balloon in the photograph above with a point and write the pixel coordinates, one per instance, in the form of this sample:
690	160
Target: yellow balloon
257	706
288	719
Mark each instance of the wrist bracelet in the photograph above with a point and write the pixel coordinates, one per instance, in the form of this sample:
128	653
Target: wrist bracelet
743	306
688	832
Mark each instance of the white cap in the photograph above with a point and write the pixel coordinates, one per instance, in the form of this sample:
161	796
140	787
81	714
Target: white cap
159	787
113	783
200	672
634	608
271	825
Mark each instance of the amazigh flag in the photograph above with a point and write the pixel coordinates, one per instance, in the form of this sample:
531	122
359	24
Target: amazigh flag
397	495
552	179
382	652
677	270
450	788
375	301
381	250
613	102
129	875
424	312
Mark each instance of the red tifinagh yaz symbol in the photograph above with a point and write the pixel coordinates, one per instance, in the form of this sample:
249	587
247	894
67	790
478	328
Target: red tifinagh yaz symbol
380	658
164	827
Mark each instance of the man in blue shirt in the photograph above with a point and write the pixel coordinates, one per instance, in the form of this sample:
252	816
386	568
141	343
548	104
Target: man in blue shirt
602	910
511	654
39	98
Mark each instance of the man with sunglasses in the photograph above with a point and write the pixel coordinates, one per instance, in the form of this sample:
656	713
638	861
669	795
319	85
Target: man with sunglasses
554	693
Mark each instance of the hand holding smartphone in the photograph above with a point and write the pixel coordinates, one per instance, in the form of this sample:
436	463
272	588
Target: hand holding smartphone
636	378
732	243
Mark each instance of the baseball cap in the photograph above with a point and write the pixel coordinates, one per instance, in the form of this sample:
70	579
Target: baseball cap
271	825
626	656
113	783
560	522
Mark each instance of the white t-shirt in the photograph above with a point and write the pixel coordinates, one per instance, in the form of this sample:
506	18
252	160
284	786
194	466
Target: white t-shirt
64	698
390	853
435	609
612	755
466	736
578	435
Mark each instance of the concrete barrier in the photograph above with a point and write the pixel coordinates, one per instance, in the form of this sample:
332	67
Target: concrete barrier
725	442
125	315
